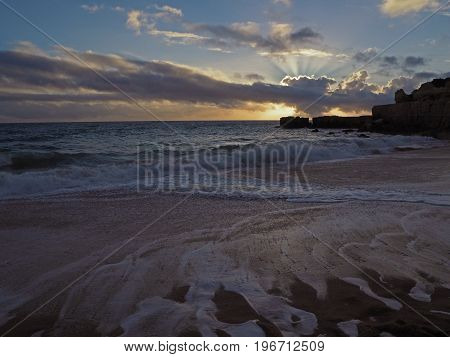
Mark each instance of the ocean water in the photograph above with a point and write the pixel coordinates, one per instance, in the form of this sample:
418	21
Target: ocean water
40	159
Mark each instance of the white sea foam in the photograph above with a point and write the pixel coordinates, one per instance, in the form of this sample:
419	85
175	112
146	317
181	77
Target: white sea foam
48	171
447	313
364	287
350	328
320	194
249	258
418	293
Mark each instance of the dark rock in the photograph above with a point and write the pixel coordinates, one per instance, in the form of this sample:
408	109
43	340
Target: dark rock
363	136
402	97
315	131
348	131
426	111
438	89
440	83
335	122
378	122
413	117
294	122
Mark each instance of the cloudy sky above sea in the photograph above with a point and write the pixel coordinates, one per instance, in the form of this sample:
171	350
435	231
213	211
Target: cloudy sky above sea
198	59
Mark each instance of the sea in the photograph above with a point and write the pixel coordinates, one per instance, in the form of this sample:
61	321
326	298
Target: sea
47	159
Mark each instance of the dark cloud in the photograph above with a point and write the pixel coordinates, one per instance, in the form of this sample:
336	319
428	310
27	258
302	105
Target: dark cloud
413	82
390	60
406	65
254	77
282	38
305	34
41	86
412	61
365	56
425	76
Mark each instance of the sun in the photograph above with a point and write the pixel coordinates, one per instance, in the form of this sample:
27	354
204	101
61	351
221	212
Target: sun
276	111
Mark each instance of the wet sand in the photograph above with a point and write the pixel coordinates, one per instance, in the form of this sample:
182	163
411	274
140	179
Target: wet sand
236	266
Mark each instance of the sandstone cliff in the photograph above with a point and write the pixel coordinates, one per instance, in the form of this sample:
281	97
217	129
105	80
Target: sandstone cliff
425	111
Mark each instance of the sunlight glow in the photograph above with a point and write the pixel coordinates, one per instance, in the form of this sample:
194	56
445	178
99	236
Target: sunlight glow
276	111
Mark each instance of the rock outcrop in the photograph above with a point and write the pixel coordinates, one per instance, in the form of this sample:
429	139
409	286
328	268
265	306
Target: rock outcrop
425	111
402	97
326	122
336	122
294	122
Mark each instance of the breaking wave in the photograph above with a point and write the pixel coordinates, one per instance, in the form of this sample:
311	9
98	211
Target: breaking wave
28	168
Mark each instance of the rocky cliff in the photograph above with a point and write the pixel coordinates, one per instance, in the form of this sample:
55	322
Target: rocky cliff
425	111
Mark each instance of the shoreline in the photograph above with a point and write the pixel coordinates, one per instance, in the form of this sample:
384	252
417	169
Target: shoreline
312	168
217	266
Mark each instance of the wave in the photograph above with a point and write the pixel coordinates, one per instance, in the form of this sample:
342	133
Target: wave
31	161
328	149
37	173
70	179
331	195
26	161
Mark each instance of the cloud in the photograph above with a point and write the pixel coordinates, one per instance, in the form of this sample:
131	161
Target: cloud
393	62
282	39
175	36
304	34
395	8
252	77
142	21
118	8
136	20
29	48
287	3
390	60
370	55
92	8
305	52
410	83
318	86
366	55
42	86
255	77
278	40
167	10
412	61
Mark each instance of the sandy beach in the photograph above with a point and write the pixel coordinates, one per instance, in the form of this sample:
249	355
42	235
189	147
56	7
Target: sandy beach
370	260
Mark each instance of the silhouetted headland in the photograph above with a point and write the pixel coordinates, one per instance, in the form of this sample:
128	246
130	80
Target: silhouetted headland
426	111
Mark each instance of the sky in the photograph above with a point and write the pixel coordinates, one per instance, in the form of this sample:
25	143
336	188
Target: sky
70	60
